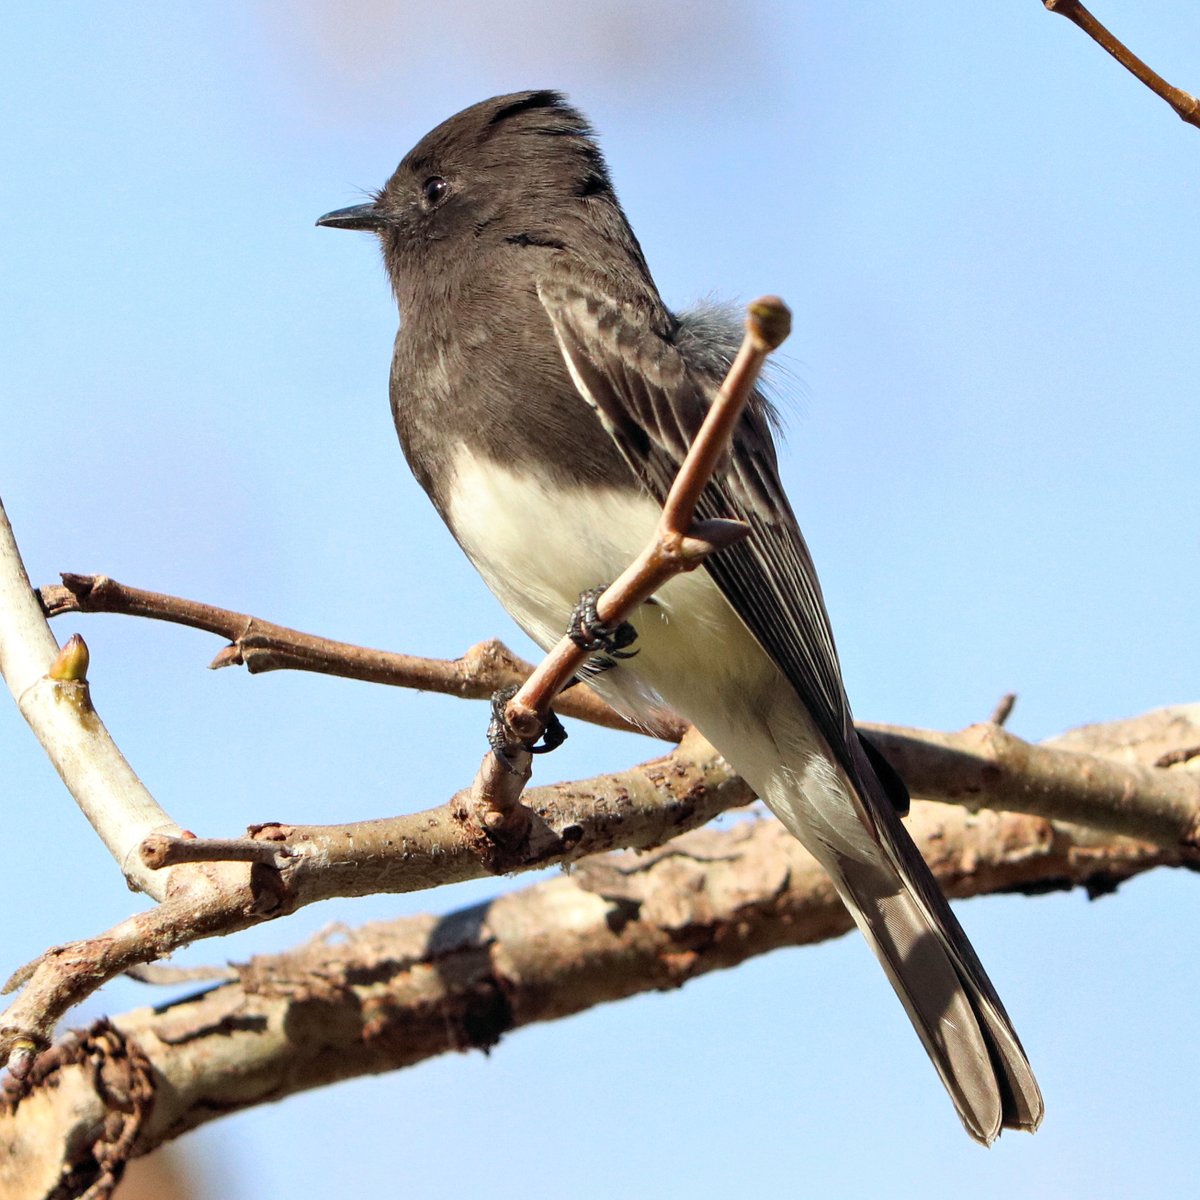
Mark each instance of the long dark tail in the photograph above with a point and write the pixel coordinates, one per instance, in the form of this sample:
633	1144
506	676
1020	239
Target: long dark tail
938	976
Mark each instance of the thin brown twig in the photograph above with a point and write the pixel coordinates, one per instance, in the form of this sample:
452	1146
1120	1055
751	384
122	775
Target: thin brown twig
159	851
167	975
678	544
261	646
1173	758
1186	106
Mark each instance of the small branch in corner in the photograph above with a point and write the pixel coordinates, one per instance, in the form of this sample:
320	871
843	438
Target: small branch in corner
1186	106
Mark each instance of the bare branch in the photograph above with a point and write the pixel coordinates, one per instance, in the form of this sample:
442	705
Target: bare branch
638	809
60	713
1184	104
678	544
1173	758
264	646
395	993
956	767
159	851
986	766
1003	709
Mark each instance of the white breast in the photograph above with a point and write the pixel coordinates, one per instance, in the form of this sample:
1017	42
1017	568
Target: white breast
539	547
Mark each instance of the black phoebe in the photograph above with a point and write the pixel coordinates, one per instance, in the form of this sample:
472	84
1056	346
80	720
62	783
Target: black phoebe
545	396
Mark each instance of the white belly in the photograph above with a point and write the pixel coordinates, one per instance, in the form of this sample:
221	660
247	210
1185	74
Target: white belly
538	549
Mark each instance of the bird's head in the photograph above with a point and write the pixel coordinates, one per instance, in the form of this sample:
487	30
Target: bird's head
518	170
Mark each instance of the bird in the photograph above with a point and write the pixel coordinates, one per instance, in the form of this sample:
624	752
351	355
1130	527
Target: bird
544	396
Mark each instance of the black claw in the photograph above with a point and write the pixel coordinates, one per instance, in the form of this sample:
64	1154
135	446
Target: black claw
499	736
553	735
590	633
505	743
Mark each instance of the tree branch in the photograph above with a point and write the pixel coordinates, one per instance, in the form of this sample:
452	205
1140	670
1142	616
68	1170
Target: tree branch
395	993
639	808
679	544
977	766
51	691
980	765
636	809
1184	103
986	766
264	646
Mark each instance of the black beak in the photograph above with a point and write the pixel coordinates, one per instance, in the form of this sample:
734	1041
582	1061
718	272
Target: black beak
361	216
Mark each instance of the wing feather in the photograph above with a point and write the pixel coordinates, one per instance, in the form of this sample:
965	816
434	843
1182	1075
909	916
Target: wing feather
652	400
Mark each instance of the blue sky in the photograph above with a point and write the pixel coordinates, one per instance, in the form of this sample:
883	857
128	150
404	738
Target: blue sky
986	232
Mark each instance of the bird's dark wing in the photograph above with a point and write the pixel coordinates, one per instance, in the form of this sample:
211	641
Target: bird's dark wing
652	398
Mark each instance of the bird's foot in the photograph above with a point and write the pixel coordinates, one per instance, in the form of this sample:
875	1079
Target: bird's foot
505	743
590	633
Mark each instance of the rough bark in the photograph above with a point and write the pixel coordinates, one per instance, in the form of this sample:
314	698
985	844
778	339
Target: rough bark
394	993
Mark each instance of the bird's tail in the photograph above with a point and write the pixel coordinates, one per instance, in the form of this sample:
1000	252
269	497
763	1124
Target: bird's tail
900	909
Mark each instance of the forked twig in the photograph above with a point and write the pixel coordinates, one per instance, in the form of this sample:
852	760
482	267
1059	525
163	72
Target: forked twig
679	544
261	645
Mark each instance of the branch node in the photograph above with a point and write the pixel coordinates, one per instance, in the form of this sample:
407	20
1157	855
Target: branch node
523	718
496	808
20	1059
84	587
718	534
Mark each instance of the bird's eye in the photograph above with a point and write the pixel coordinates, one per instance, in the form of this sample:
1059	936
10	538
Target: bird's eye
434	191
